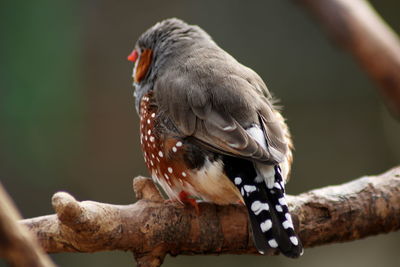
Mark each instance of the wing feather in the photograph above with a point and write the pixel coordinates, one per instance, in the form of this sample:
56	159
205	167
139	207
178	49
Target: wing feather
216	114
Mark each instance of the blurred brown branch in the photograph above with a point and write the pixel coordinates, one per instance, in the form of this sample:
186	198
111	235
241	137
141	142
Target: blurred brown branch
358	28
151	227
17	245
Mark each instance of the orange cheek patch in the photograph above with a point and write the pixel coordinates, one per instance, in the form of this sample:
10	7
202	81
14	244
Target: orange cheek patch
143	65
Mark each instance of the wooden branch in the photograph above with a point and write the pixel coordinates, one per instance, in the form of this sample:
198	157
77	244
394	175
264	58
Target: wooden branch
17	245
359	29
151	227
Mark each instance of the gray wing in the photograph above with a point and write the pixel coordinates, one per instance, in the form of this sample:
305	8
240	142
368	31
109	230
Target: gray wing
215	111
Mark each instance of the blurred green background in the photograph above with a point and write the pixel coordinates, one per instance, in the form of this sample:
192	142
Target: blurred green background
67	117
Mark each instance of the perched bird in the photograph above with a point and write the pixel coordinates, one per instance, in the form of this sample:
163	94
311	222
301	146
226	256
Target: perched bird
209	129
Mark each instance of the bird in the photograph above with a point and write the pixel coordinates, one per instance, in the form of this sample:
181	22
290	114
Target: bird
211	130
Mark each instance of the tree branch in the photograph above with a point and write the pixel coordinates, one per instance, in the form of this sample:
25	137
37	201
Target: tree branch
151	227
17	245
359	29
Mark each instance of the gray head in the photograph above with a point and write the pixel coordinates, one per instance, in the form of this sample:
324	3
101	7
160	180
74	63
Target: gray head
163	43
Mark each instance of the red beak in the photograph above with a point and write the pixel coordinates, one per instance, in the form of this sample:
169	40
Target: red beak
133	56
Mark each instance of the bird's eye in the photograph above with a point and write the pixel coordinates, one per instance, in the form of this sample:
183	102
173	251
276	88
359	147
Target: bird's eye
133	56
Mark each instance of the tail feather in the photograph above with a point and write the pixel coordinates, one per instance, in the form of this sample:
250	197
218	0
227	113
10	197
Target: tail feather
268	212
289	243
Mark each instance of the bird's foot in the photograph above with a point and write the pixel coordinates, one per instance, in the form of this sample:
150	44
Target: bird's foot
188	200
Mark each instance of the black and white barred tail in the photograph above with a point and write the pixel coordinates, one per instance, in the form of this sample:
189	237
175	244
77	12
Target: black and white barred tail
266	204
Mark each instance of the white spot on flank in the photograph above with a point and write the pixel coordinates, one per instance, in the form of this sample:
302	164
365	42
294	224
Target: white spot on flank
278	208
166	176
151	138
238	181
153	115
169	169
272	243
277	185
149	132
178	144
152	155
160	154
184	174
282	201
151	162
294	240
265	226
249	188
257	207
174	149
242	191
148	121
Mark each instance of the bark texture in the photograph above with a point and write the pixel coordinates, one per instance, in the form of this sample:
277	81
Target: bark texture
17	245
152	227
356	26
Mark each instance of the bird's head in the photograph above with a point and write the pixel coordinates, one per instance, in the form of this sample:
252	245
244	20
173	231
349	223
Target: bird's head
160	48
